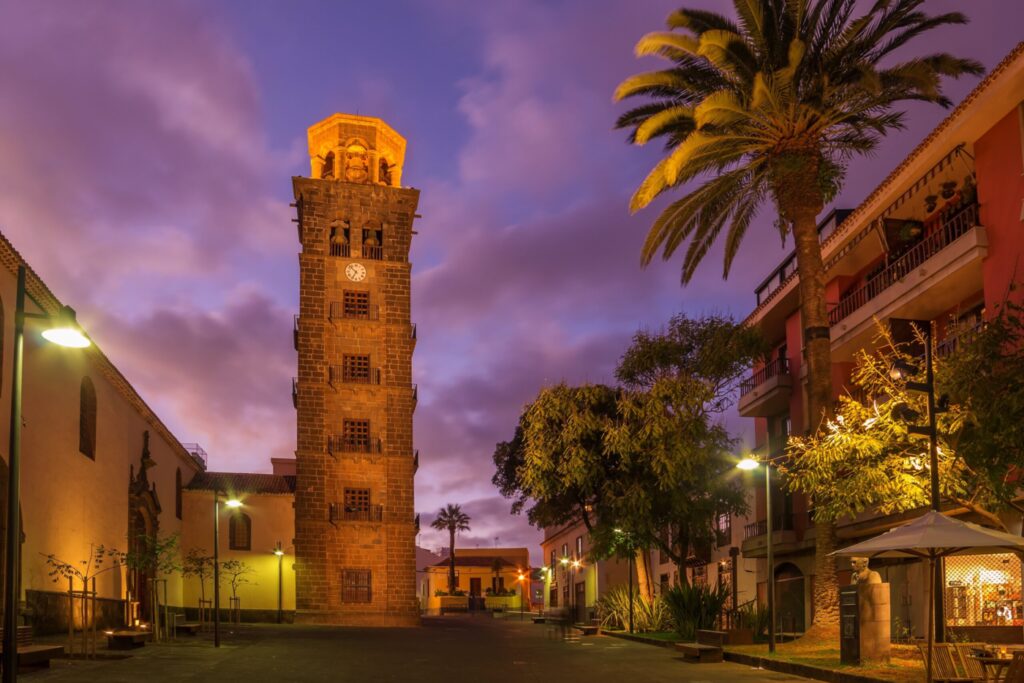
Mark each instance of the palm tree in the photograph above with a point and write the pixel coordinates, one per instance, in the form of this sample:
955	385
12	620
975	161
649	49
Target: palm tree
453	519
771	107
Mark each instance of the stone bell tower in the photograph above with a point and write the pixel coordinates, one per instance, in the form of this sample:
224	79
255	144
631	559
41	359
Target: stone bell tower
355	530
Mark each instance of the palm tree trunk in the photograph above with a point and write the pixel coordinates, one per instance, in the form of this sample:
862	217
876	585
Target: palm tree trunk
643	573
451	564
818	356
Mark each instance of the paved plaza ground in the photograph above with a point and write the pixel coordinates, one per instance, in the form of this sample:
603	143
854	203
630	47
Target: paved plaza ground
446	650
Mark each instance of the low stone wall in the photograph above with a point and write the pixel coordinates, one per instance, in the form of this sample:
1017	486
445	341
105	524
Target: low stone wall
47	612
247	616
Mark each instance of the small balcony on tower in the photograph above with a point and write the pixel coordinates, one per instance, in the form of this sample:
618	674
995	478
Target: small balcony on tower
353	370
356	305
766	392
342	444
340	512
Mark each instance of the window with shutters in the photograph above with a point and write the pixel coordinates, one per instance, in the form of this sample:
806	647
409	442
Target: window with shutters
87	419
356	585
240	532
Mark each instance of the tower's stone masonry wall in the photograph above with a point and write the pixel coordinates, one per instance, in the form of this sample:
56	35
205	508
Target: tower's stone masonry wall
324	548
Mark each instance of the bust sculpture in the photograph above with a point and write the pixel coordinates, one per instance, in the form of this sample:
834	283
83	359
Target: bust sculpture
862	573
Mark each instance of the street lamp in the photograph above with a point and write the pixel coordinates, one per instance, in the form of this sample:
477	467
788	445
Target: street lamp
63	331
231	503
279	552
575	605
901	370
522	594
748	464
565	575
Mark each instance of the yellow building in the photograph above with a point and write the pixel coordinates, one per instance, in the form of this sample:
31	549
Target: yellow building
99	468
257	534
490	578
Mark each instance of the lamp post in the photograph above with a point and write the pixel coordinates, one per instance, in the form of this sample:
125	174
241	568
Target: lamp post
751	464
575	605
565	575
231	503
64	331
522	595
902	370
280	582
629	572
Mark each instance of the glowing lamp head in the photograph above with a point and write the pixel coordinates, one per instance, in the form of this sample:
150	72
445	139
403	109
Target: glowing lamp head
278	552
575	564
65	331
565	561
233	503
747	464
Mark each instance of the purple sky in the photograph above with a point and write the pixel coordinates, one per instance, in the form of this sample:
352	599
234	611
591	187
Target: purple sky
146	151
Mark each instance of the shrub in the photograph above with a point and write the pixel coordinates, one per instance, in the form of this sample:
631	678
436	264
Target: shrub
695	607
755	617
613	612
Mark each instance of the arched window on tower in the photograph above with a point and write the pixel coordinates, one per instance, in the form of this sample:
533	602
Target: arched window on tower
177	493
240	532
327	170
87	419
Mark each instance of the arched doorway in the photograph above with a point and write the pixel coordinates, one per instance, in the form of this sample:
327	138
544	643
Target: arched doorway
789	598
143	528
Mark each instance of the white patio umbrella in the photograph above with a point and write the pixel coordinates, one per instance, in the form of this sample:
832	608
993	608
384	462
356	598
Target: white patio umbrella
929	537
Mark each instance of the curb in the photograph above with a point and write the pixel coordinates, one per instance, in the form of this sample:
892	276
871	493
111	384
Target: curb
804	670
639	639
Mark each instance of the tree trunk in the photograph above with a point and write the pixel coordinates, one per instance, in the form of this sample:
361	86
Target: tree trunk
800	203
643	573
451	565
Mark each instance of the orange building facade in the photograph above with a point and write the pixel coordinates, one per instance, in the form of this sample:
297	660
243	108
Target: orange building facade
939	245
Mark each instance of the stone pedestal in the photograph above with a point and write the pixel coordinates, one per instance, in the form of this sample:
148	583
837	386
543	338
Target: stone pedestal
864	615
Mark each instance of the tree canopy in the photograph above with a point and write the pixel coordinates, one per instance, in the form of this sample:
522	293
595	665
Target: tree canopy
635	460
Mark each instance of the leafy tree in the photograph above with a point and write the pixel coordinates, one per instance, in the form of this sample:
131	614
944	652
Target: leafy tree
236	572
199	565
155	556
452	519
632	461
867	459
770	108
986	377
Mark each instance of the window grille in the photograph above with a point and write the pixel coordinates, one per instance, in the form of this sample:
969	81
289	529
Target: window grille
355	368
355	435
355	304
87	419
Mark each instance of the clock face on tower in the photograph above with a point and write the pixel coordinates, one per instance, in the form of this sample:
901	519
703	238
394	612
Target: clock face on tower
356	272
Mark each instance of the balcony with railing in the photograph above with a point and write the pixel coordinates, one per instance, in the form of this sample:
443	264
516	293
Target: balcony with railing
930	277
374	252
766	392
956	339
358	513
353	310
338	444
295	332
341	249
790	532
342	374
416	461
197	453
415	393
295	392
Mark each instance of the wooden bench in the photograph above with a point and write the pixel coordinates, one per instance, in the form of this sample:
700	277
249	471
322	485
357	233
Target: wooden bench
29	655
587	629
539	620
717	638
127	640
188	629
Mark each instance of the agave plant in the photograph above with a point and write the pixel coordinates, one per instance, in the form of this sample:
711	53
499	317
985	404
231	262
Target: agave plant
613	612
695	607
